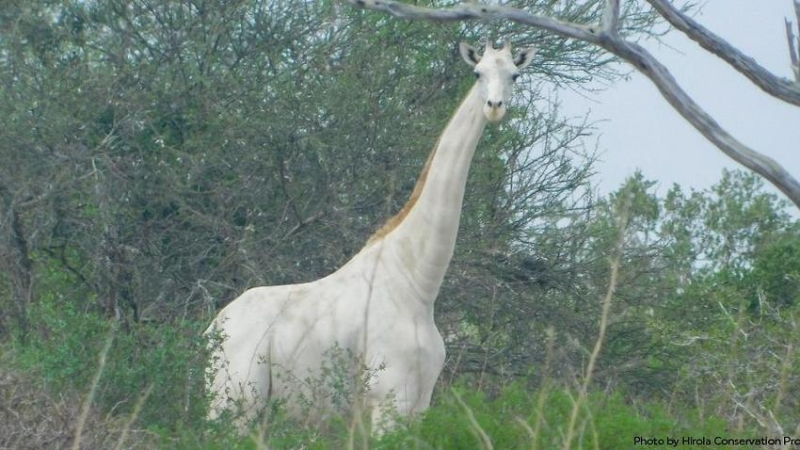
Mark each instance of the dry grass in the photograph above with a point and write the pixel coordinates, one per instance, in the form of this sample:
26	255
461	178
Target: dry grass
31	419
614	263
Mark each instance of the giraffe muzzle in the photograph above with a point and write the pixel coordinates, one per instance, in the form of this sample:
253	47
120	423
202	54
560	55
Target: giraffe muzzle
494	111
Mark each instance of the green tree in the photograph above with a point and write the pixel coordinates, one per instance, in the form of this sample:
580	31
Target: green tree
730	318
184	151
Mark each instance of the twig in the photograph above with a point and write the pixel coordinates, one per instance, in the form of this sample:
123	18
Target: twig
790	38
780	88
794	52
303	222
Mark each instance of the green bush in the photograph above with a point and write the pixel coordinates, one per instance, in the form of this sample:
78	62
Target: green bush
608	421
164	359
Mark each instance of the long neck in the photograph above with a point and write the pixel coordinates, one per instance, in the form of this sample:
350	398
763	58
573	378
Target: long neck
423	233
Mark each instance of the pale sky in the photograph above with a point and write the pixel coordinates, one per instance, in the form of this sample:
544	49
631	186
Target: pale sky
639	129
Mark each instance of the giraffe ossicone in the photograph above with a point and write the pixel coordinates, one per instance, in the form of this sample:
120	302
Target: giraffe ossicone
270	342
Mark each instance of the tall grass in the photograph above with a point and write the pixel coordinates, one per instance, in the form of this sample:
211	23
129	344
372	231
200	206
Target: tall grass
101	365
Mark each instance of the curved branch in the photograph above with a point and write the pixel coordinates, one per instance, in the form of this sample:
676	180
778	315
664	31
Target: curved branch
633	54
472	11
781	88
761	164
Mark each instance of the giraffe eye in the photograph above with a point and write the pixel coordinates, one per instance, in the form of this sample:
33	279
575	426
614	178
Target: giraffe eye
514	77
477	74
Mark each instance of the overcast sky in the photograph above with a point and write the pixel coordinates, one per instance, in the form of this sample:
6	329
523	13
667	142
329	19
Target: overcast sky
640	129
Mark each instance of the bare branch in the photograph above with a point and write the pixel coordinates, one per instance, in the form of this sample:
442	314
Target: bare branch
790	38
797	15
645	63
611	17
794	52
471	11
781	88
703	122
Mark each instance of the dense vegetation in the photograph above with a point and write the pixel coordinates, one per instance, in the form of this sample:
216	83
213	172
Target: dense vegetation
159	157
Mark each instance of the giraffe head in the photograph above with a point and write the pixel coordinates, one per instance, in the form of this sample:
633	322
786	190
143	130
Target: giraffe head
496	70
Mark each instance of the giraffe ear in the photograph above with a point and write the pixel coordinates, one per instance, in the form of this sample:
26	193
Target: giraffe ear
524	57
469	54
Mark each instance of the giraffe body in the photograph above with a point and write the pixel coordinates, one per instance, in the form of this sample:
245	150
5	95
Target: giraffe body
379	305
277	336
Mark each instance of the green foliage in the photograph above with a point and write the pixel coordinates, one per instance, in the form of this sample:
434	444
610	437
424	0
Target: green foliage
607	421
775	275
166	359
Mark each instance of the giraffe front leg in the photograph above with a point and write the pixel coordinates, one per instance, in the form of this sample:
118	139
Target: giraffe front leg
386	414
395	399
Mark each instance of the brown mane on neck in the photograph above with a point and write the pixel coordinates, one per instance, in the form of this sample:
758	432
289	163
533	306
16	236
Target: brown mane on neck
398	218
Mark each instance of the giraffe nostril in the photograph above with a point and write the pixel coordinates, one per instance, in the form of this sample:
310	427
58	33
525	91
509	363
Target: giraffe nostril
489	103
500	103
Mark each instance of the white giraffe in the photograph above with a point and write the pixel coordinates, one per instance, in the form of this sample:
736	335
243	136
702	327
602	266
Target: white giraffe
379	305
